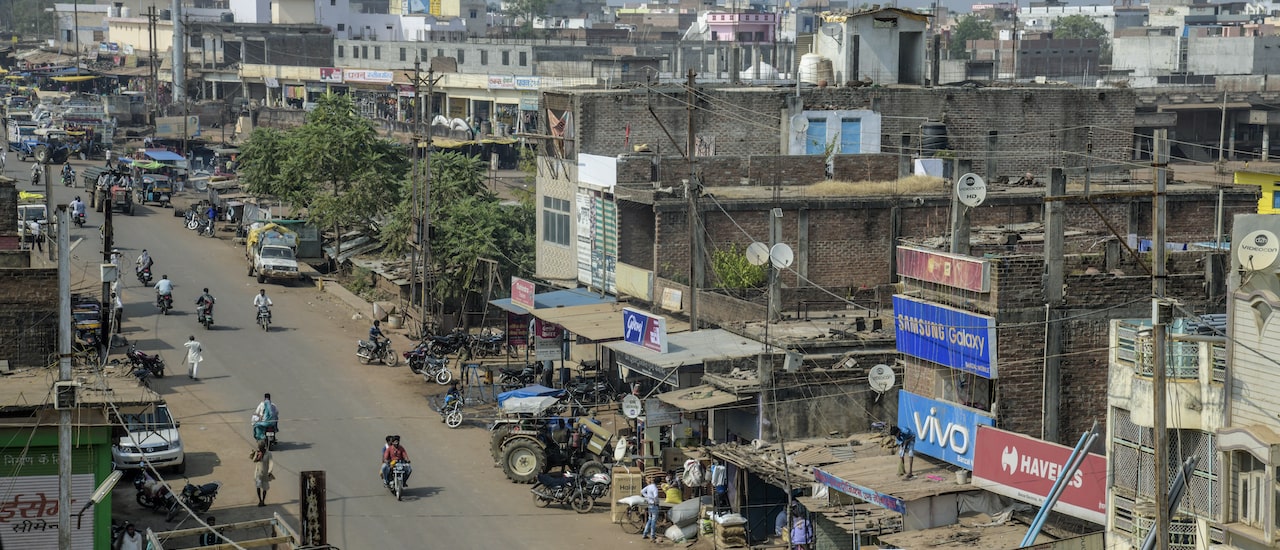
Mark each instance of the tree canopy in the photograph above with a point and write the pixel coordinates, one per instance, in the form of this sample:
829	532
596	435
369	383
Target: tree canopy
1084	27
525	11
968	28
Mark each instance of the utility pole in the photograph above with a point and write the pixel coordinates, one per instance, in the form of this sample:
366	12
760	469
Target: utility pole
64	375
1222	130
1159	320
692	189
48	208
422	198
152	60
1055	222
108	237
179	54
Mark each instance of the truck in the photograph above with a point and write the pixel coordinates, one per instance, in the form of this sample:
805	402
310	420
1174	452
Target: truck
270	250
31	208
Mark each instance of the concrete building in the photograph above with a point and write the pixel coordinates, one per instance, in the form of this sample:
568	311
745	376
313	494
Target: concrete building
86	20
884	46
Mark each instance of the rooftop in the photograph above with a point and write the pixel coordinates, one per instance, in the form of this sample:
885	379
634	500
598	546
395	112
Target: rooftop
28	390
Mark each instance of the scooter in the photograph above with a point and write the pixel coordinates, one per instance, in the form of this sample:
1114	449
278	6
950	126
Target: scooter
152	493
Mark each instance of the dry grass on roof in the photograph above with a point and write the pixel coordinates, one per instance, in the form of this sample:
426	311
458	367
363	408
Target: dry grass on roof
910	185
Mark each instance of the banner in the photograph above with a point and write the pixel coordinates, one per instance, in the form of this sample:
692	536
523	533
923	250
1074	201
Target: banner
942	430
522	293
945	335
549	341
517	329
946	269
644	330
331	75
501	82
362	75
1025	468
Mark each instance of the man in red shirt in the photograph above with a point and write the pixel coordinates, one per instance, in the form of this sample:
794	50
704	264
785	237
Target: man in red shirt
394	452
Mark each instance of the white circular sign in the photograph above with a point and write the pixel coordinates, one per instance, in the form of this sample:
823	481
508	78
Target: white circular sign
881	378
619	451
1258	250
631	406
971	190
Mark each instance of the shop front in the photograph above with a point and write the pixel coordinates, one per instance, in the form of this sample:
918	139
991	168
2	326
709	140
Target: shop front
372	91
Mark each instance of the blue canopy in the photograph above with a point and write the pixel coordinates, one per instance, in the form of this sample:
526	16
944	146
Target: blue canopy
162	155
529	391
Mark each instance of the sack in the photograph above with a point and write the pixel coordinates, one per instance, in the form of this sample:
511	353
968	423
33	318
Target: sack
676	533
684	513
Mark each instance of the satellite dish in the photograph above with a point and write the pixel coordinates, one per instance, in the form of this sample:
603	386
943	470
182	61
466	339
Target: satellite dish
619	451
757	253
799	123
881	378
631	406
971	190
1258	250
781	256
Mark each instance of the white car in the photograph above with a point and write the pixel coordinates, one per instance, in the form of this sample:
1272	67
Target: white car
150	433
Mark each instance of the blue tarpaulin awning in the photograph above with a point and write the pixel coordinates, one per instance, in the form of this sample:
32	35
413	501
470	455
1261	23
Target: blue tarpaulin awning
556	298
162	155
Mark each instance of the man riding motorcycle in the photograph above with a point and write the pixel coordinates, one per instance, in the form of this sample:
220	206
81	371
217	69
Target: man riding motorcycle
260	301
375	335
206	300
268	418
77	209
36	174
68	173
144	262
164	289
395	453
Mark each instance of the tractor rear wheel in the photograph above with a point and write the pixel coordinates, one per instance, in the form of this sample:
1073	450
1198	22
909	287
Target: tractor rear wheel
523	460
42	154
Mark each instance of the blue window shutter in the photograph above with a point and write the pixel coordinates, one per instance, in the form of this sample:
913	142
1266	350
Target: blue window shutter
815	137
851	136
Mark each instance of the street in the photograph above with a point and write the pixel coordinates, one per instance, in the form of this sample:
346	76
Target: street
334	412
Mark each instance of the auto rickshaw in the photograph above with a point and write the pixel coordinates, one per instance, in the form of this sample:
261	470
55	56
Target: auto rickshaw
155	188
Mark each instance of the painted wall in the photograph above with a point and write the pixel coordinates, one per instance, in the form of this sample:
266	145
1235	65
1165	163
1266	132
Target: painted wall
1145	55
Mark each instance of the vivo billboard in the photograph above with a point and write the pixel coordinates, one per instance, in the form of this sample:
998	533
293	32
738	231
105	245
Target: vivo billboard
944	335
1025	468
942	430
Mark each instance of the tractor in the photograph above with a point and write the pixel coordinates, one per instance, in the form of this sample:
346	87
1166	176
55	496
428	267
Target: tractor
534	446
46	146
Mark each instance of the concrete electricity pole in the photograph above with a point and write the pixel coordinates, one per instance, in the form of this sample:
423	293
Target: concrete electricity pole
1159	319
692	189
64	375
423	197
179	54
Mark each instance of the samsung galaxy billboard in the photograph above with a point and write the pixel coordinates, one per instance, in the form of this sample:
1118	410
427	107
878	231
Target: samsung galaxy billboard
944	335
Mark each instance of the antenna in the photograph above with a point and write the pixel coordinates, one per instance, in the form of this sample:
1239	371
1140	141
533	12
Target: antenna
799	123
781	256
835	31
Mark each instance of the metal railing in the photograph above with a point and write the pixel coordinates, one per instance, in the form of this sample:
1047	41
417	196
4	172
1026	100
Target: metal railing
1134	348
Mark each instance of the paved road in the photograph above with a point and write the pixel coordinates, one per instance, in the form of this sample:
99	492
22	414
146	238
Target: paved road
335	411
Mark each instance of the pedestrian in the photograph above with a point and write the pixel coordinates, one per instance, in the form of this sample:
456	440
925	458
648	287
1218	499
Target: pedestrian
906	450
130	539
118	308
650	494
34	227
262	475
801	528
194	356
211	537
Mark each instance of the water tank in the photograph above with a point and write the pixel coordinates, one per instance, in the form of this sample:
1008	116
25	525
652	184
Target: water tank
113	11
809	67
933	138
166	14
229	17
125	11
826	74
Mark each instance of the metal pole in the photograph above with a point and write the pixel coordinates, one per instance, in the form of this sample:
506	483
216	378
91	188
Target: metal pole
64	374
427	310
1222	129
48	208
691	192
1160	441
414	185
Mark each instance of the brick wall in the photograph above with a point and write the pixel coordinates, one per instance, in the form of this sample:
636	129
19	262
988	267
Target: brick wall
8	207
28	316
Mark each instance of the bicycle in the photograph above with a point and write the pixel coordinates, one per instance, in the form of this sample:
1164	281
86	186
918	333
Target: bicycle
638	515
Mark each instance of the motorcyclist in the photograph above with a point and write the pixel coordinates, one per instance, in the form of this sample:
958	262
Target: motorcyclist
164	288
144	262
68	171
395	453
267	416
206	300
77	207
260	300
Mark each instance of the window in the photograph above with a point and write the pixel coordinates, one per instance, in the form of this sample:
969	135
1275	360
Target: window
1250	488
461	58
333	2
439	52
377	52
342	27
340	50
364	52
555	221
484	57
524	62
196	41
850	136
506	57
474	14
815	137
402	55
423	55
355	52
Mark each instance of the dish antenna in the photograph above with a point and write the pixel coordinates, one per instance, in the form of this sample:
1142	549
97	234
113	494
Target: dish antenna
881	378
1258	250
781	256
757	253
971	190
631	406
835	31
799	123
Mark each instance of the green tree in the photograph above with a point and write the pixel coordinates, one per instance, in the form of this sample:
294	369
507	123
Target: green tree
1084	27
968	28
734	271
525	11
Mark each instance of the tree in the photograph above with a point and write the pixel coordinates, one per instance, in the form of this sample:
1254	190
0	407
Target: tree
968	28
27	18
1084	27
526	11
734	271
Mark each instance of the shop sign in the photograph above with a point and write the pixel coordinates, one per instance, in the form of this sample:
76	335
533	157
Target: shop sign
1026	468
29	511
363	75
528	103
522	293
527	82
517	329
331	75
657	413
888	502
644	330
502	82
953	270
549	346
947	336
942	430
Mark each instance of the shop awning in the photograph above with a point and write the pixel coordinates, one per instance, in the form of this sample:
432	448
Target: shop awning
688	348
700	398
162	155
596	322
556	298
80	78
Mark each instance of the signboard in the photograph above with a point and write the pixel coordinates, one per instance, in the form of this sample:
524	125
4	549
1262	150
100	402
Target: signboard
331	75
528	82
29	511
945	335
314	529
175	126
953	270
522	293
1025	468
644	330
657	413
549	341
364	75
502	82
888	502
517	329
943	431
631	406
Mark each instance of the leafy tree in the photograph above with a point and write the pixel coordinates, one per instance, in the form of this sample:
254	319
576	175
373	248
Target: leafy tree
525	11
1084	27
968	28
28	19
734	271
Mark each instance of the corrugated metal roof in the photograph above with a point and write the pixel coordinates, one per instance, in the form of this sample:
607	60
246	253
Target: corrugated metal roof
694	348
556	298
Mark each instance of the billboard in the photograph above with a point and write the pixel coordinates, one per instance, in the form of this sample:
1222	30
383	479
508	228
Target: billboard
644	330
943	431
1025	468
363	75
945	335
29	511
331	75
550	343
522	293
946	269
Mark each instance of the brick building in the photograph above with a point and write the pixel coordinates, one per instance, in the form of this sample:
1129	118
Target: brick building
28	296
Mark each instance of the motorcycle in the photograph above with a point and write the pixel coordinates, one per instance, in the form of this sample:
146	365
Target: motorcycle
376	351
35	178
204	315
144	276
564	489
451	411
264	318
78	219
152	493
399	471
429	366
491	343
69	179
191	220
596	487
164	302
198	498
519	378
447	344
269	432
153	363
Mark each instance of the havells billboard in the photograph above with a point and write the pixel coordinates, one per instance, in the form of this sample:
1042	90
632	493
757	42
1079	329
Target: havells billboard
947	336
943	431
1026	468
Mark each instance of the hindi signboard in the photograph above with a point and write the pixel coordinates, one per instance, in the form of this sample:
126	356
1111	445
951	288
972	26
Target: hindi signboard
522	292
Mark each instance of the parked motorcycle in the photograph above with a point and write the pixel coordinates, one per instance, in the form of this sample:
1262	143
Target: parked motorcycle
379	351
442	345
491	342
521	377
152	493
153	363
596	487
164	302
563	489
204	316
191	220
430	367
144	276
199	498
264	317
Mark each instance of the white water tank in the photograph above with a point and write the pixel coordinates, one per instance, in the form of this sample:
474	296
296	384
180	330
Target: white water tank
125	11
809	67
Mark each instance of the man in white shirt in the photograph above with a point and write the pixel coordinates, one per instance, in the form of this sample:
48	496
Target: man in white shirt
164	287
261	300
650	494
33	227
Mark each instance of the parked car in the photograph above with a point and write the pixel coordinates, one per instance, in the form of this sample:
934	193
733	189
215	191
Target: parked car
148	431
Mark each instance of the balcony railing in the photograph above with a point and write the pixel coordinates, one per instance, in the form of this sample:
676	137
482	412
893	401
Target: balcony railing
1135	348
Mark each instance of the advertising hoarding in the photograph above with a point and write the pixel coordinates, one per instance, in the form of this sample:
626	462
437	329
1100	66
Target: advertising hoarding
947	269
943	431
945	335
1025	468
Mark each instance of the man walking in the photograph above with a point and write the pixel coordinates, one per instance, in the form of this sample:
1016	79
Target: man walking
117	307
194	356
650	494
262	475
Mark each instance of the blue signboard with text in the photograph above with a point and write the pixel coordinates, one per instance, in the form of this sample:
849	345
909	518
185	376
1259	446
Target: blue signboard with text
947	336
942	430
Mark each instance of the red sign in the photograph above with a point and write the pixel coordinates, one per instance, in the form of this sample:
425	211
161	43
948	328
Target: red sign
947	269
522	293
517	329
1025	468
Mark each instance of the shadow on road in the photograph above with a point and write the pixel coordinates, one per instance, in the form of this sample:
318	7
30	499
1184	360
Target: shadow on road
198	464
